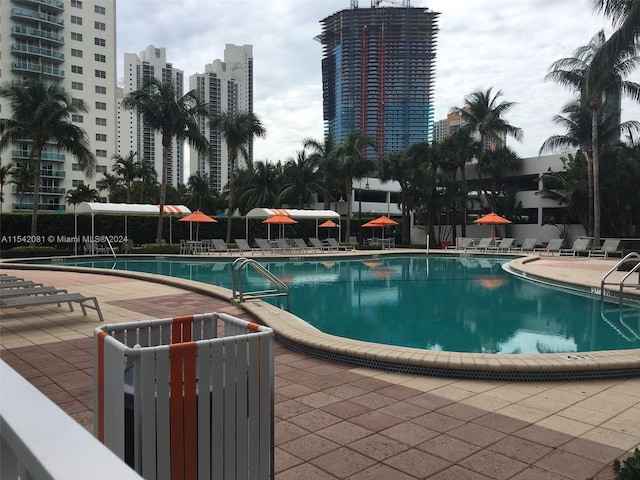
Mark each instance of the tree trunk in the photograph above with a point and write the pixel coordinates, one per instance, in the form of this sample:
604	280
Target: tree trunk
596	177
232	166
163	186
463	178
348	193
36	195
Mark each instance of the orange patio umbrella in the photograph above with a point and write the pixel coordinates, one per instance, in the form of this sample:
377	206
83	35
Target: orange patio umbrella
328	224
381	222
279	220
198	217
492	219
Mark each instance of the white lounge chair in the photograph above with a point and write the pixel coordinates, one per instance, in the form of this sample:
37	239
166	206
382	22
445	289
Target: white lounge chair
554	245
483	244
528	245
579	245
502	246
610	246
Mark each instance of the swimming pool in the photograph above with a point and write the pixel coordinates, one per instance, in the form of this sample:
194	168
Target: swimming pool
455	304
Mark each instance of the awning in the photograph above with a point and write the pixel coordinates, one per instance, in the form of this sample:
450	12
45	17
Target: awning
291	212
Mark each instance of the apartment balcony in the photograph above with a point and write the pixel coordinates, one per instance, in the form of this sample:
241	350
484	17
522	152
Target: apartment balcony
53	173
53	72
26	14
53	4
30	50
46	156
28	67
31	33
45	190
42	207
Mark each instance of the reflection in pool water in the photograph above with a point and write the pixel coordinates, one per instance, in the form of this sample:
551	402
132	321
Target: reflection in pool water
452	304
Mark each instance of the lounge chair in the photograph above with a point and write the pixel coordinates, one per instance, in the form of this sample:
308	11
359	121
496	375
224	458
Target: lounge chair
10	278
333	244
554	245
283	245
20	284
318	245
220	246
264	245
579	245
610	246
483	244
462	243
244	247
29	292
528	245
301	245
69	298
502	246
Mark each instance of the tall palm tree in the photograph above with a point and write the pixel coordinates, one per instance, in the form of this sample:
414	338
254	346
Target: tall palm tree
483	113
147	184
460	148
301	181
128	168
174	117
41	115
594	85
83	193
5	171
495	164
112	184
324	155
238	130
353	165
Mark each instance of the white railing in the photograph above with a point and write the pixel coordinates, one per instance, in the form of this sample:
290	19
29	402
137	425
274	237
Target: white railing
39	441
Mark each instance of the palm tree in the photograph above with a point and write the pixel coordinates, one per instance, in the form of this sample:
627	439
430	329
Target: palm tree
259	185
23	177
174	117
625	15
83	193
301	181
147	183
495	164
112	184
128	168
238	130
324	155
198	191
5	171
41	114
594	85
483	113
460	148
353	165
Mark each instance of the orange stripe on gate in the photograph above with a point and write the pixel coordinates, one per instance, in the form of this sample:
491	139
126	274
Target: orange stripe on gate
100	406
181	329
183	418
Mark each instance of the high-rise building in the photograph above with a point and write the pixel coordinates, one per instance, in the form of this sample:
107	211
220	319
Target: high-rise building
378	69
72	43
135	133
227	86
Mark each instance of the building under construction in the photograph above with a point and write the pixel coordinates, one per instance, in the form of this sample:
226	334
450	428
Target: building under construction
378	69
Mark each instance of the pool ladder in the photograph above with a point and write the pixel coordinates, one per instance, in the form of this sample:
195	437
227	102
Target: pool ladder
279	291
621	284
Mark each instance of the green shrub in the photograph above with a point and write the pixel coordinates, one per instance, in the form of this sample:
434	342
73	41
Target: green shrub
629	469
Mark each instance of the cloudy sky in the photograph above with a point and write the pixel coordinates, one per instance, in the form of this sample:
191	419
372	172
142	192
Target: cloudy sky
505	44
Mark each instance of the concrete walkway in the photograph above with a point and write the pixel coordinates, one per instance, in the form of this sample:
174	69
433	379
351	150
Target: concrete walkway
334	421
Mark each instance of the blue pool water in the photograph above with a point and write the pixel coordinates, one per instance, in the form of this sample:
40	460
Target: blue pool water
453	304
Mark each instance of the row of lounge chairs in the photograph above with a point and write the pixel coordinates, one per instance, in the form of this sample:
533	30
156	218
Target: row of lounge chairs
15	292
282	245
579	246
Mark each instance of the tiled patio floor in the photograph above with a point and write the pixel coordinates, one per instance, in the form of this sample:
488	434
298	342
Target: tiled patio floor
338	422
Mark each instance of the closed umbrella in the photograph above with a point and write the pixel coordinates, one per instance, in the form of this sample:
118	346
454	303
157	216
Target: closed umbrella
198	217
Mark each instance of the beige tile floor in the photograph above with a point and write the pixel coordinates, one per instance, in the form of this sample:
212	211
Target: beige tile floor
334	421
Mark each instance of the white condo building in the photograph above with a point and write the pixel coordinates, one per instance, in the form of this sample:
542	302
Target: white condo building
73	43
134	133
227	85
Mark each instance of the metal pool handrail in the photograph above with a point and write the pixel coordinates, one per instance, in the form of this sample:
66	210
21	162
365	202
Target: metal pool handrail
281	289
603	282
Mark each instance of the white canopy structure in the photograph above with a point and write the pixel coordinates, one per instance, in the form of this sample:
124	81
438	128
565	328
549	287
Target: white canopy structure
291	212
125	209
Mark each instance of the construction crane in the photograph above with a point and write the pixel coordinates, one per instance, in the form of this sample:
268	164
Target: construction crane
376	3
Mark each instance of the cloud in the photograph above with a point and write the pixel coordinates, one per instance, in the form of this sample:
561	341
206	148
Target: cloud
505	44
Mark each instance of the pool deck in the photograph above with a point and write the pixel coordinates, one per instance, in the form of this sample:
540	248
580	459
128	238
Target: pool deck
339	421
